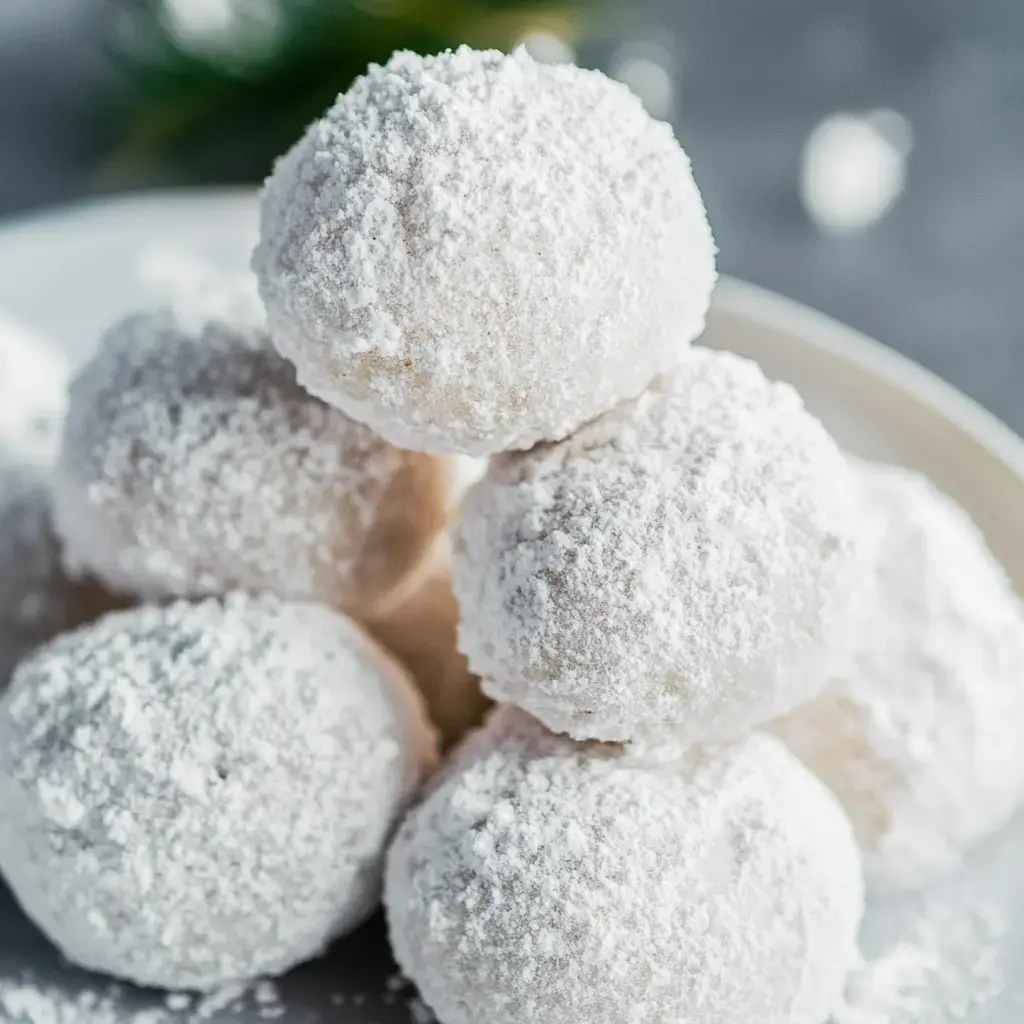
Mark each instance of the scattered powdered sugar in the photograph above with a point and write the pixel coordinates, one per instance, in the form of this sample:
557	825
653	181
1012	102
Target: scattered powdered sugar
919	732
474	251
26	1002
677	569
220	999
266	994
400	986
178	1001
33	377
263	995
193	463
37	599
945	970
200	793
547	881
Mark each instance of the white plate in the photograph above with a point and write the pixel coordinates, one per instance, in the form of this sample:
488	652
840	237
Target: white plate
69	273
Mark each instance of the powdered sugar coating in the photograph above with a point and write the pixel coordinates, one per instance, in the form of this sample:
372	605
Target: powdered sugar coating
546	881
193	463
474	251
37	599
201	793
676	570
919	730
33	378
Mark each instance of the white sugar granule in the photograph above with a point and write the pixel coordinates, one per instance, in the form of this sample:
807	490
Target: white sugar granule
197	794
919	731
265	993
219	1000
546	881
33	378
676	569
193	463
945	970
267	997
474	251
37	599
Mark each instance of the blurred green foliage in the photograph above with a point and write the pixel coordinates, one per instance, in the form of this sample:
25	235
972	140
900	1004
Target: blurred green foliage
213	90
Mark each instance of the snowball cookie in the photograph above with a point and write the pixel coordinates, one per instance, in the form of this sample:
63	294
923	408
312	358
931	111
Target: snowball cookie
37	599
200	793
677	569
919	731
33	381
422	632
193	463
197	288
473	252
546	881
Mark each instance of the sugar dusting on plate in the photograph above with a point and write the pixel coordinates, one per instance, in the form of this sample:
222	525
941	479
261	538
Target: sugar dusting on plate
26	1001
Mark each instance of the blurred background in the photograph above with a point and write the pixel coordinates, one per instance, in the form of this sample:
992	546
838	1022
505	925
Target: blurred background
864	156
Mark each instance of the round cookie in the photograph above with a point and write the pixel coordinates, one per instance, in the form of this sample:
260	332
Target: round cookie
918	732
545	881
675	571
193	463
473	251
37	598
422	632
201	793
33	379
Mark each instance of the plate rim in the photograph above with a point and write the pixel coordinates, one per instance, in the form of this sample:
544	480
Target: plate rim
733	297
846	344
